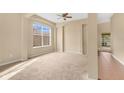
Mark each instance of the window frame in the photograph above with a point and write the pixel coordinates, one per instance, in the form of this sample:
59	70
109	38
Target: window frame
102	41
50	35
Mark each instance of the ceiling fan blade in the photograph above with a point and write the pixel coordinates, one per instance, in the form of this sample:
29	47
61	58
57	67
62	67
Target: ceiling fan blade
65	14
68	16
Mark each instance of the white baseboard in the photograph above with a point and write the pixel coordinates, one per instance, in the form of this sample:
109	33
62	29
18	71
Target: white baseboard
40	54
75	52
116	58
13	61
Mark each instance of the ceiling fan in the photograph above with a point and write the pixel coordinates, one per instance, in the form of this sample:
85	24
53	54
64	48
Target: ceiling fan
64	16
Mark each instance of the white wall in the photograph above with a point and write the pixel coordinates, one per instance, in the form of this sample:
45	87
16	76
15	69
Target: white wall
60	39
92	46
10	38
118	36
71	39
24	37
73	36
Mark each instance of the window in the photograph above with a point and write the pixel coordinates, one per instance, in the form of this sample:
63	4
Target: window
106	41
41	35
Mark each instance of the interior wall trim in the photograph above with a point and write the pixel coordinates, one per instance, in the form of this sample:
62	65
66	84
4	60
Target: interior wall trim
63	38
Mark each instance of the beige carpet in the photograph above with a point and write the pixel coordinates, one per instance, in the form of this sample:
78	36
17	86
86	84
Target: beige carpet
55	66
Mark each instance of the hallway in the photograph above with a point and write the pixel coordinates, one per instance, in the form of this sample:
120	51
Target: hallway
110	69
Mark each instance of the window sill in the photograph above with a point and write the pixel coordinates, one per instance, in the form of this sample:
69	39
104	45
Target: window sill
42	46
